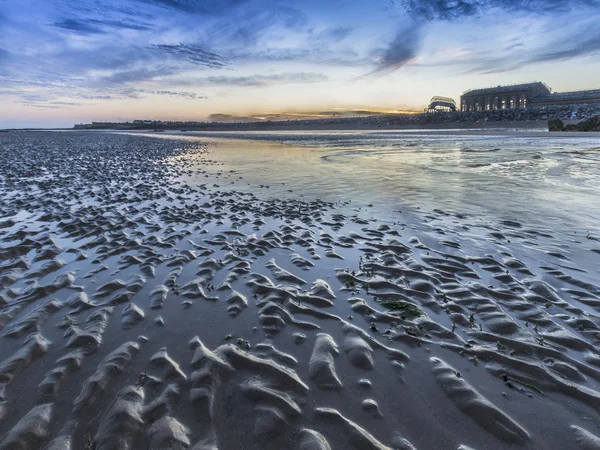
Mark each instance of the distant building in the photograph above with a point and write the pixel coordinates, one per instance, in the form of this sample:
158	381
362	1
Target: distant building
502	97
523	96
591	97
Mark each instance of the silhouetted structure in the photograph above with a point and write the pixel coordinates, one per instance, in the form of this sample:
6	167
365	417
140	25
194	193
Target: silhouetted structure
524	95
503	97
438	104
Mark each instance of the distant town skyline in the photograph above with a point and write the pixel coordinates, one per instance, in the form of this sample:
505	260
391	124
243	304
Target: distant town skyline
65	62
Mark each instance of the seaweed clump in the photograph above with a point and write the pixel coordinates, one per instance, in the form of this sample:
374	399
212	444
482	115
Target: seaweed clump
401	305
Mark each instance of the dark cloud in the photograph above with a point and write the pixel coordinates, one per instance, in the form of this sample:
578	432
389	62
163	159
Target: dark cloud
209	7
120	24
443	9
403	47
78	26
455	9
193	54
514	43
94	26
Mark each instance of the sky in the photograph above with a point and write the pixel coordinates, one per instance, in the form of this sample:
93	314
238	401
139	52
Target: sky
64	61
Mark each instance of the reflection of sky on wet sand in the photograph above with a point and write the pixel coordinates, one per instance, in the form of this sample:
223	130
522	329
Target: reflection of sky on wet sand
547	185
528	176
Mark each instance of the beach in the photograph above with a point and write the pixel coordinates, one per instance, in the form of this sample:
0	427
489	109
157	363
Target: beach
358	289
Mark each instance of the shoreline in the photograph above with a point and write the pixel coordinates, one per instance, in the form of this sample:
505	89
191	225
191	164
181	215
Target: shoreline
320	125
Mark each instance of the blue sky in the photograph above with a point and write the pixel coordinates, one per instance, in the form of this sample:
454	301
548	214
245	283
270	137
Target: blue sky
64	61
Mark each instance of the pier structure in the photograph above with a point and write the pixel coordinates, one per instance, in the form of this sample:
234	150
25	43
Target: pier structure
441	104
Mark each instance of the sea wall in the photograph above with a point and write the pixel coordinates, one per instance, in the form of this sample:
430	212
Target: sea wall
563	112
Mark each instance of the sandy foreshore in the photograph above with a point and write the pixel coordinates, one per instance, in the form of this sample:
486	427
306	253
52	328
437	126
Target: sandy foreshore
141	310
349	125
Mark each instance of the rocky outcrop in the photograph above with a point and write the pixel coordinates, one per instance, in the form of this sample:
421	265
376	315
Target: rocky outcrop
556	125
563	112
591	124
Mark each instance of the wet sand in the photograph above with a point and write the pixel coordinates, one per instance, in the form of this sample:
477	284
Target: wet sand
172	292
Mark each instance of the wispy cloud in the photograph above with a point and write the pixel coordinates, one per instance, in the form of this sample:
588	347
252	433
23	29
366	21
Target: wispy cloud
260	80
136	75
585	43
95	26
178	94
193	54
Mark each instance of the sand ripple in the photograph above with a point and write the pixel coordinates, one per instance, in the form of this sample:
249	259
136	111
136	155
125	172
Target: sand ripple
141	311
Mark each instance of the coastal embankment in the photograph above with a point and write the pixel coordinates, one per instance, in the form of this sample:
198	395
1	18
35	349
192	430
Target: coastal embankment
518	118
